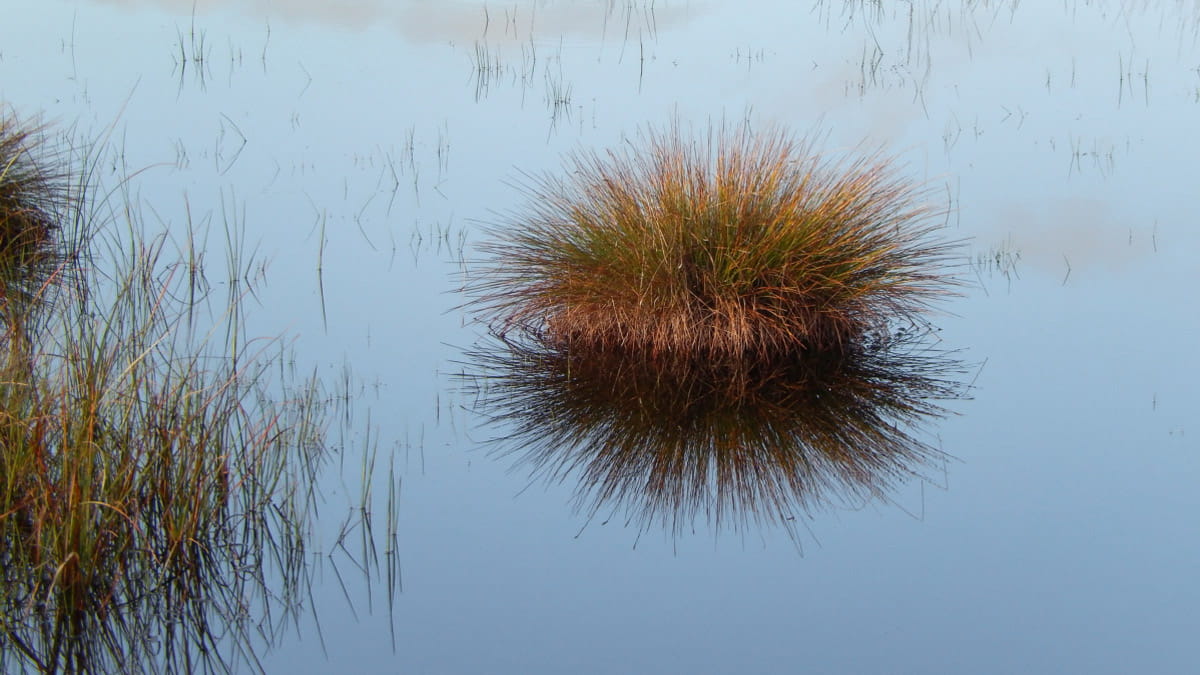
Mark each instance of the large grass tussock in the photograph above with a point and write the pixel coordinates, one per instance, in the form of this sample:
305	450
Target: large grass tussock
743	244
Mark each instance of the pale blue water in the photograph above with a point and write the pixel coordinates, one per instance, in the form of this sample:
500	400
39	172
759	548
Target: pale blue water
1063	535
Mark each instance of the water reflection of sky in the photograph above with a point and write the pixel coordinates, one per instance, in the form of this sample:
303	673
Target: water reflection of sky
1064	536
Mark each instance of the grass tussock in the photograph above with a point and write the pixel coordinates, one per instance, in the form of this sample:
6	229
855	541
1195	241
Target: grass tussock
152	478
677	440
34	206
744	245
729	329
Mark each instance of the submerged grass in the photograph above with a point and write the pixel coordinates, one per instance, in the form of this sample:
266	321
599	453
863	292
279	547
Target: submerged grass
150	480
743	245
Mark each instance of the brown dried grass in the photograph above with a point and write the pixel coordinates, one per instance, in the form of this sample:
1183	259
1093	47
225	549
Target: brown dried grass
743	245
34	206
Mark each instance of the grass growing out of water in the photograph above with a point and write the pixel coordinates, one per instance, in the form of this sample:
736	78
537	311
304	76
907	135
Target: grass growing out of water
746	244
727	329
33	195
150	481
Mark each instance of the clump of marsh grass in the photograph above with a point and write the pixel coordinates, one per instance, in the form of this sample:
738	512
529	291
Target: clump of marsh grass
34	207
730	329
673	441
150	479
745	245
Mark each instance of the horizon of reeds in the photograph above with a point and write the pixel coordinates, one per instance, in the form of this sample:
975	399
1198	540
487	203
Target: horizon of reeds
681	442
742	244
155	474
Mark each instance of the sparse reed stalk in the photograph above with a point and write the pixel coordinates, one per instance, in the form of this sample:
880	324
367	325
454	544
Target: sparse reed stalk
149	482
746	244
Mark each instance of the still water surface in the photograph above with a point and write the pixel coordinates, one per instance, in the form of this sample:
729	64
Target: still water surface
371	140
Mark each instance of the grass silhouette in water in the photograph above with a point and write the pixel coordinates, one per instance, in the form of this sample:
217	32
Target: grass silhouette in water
673	441
152	484
746	245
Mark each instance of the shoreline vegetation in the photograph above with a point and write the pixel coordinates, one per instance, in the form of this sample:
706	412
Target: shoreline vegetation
732	329
156	467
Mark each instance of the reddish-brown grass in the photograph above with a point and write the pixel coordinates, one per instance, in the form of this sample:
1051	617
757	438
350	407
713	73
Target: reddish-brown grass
743	245
33	206
152	478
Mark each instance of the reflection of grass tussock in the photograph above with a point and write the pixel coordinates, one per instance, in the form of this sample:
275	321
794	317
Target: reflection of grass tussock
747	245
149	480
673	439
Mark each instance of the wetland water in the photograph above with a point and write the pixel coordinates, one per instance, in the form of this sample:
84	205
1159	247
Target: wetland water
360	150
